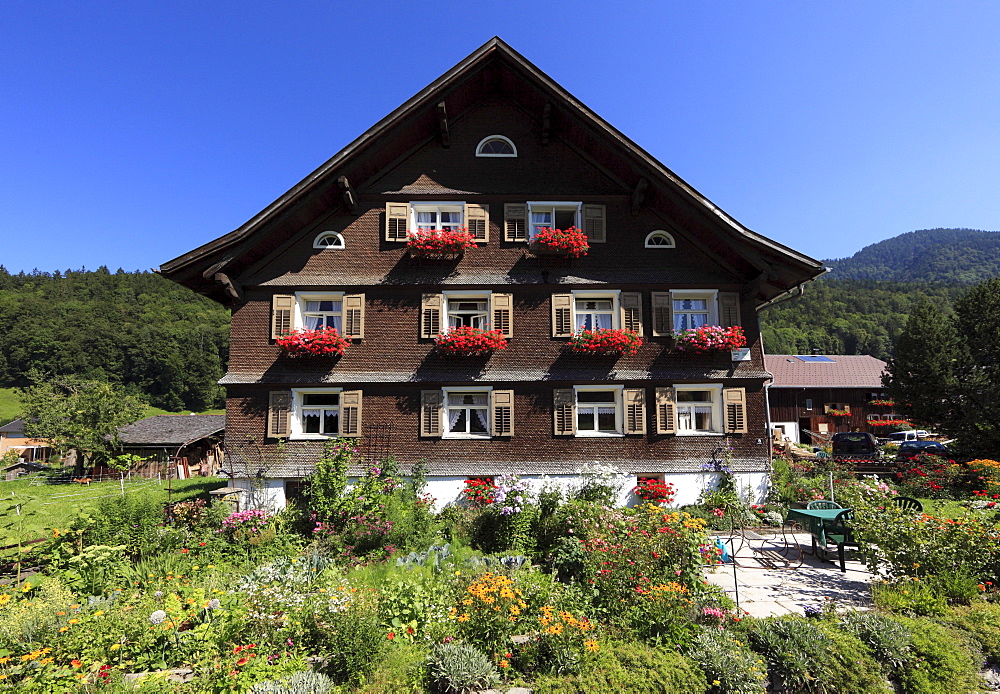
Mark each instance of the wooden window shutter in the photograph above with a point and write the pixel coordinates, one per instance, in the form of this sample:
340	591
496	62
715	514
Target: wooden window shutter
515	225
635	410
666	411
663	314
502	313
594	223
282	307
397	221
431	404
564	412
502	406
350	413
477	219
631	311
734	401
729	309
279	410
354	316
562	315
431	306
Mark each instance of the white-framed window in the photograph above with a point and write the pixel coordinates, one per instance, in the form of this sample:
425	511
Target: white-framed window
660	239
699	409
329	239
694	308
471	310
314	310
315	413
598	410
553	215
593	310
809	404
496	146
437	215
466	412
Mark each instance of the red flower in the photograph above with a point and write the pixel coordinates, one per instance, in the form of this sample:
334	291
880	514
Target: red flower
391	635
709	338
439	241
184	551
320	342
469	341
605	341
570	242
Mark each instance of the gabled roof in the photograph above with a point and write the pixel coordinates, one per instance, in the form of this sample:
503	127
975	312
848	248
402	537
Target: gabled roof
15	427
171	429
836	371
778	268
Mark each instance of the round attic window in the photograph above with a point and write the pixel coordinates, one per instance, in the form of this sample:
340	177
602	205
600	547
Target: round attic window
660	239
328	239
496	146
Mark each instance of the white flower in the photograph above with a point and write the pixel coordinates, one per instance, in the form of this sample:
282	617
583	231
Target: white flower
157	617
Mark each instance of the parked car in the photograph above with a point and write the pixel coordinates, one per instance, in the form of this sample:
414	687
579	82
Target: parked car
899	437
911	449
855	444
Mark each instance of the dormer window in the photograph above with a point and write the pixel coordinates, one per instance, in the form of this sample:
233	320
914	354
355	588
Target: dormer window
496	146
329	239
660	239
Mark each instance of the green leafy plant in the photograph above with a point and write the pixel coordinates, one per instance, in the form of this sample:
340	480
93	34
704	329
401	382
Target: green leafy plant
730	666
461	669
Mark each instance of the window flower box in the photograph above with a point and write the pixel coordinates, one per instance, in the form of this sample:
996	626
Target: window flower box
838	413
654	491
468	341
884	403
710	338
571	243
322	342
889	423
605	341
429	243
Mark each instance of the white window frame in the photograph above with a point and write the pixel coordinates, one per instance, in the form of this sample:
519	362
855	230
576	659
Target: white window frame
808	405
539	206
464	296
296	422
711	297
614	295
488	138
338	245
619	411
716	404
660	234
298	319
445	433
437	207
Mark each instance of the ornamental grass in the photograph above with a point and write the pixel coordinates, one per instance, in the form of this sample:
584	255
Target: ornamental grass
468	341
322	342
710	338
605	341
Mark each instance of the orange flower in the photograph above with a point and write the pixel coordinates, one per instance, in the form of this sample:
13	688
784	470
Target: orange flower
75	663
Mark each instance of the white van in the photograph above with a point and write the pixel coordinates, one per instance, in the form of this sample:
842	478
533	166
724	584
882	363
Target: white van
899	437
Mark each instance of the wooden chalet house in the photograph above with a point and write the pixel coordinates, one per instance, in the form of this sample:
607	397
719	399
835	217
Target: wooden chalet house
497	147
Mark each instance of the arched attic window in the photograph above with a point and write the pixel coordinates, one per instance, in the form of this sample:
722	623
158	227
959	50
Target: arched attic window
328	239
496	146
660	239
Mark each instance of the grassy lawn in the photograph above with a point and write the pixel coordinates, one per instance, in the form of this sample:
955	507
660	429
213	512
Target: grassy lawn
10	407
46	506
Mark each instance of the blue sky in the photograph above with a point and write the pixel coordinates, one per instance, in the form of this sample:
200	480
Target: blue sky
132	132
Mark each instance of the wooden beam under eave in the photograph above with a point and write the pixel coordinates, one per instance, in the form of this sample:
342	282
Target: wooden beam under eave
349	196
639	195
443	125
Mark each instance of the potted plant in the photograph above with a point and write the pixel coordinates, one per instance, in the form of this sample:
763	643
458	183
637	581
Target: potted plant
605	341
710	338
571	243
439	242
468	341
322	342
654	491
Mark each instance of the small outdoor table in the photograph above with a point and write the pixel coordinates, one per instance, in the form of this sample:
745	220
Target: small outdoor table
815	519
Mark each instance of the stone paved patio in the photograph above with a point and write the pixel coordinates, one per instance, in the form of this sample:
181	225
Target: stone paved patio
764	592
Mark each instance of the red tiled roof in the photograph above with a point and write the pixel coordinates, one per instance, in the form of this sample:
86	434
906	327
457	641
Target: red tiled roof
842	371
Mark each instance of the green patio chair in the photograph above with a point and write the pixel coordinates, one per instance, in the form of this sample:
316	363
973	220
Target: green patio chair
908	504
823	503
840	533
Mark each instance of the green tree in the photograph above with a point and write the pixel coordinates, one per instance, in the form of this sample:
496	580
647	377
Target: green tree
75	414
945	371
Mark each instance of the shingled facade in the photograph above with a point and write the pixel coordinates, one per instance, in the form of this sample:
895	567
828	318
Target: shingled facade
496	146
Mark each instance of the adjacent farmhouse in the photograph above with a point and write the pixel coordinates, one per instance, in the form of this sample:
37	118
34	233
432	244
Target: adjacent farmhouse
13	438
816	395
505	272
176	445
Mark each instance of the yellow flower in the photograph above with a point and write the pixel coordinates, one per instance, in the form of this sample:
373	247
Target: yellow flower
74	621
504	663
26	587
716	683
62	629
464	617
115	646
591	645
99	613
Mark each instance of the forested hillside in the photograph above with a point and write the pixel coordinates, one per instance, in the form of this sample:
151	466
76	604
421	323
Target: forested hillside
935	256
155	337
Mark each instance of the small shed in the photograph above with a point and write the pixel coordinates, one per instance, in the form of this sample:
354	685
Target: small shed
192	443
21	468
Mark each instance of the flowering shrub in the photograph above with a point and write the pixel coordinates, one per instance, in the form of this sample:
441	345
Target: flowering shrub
469	341
929	475
569	242
710	338
605	341
244	522
489	613
654	491
563	641
511	494
322	342
479	491
426	242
